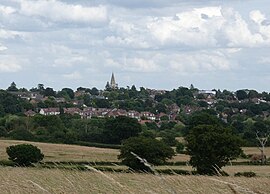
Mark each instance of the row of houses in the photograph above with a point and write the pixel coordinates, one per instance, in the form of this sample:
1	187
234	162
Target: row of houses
90	112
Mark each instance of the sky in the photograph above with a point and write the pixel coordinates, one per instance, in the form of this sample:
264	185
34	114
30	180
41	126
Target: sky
151	43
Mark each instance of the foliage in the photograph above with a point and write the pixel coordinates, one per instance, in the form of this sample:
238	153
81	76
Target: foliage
3	131
180	148
241	94
152	150
24	154
11	104
12	87
245	174
121	128
208	147
168	138
21	134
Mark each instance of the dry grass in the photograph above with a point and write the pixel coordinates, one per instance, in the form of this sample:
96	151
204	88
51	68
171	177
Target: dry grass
62	152
254	150
30	180
262	171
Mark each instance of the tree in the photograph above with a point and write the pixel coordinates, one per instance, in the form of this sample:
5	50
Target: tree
12	87
21	134
120	128
180	148
262	135
24	154
135	150
94	91
69	92
49	92
3	131
241	94
211	147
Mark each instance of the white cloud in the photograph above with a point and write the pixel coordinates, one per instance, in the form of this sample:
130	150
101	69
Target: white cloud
200	62
8	34
73	76
2	47
62	12
264	60
190	28
140	65
256	16
6	10
237	30
9	67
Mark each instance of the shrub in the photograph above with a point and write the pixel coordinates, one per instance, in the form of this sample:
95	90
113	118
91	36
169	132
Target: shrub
154	151
21	134
24	154
180	148
3	131
245	174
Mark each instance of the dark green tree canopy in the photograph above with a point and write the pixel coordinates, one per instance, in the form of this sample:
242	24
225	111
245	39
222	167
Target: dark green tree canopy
12	87
211	147
24	154
120	128
152	150
241	94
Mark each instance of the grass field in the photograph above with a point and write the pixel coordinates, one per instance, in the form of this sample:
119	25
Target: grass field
42	180
62	152
32	180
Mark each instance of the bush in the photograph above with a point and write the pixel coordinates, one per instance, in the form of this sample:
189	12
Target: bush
21	134
24	154
152	150
245	174
3	131
180	148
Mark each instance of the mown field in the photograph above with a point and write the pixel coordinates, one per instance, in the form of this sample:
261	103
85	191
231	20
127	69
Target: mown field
32	180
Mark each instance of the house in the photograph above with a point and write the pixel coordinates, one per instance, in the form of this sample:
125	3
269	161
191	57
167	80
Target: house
116	112
190	109
60	100
73	111
148	115
89	112
134	114
174	108
30	113
49	111
36	96
207	92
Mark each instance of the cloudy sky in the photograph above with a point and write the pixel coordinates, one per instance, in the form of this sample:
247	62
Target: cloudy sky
159	44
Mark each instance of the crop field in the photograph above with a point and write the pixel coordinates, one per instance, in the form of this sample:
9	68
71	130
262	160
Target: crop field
33	180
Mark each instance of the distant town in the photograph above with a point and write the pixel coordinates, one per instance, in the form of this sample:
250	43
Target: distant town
145	105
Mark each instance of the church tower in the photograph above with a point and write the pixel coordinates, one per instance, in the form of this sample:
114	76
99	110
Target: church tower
112	84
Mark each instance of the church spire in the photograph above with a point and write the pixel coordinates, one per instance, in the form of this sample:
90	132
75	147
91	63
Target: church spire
113	83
